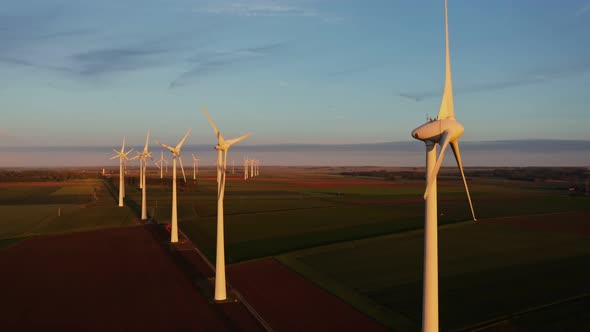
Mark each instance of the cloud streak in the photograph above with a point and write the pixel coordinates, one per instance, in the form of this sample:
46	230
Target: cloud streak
109	60
583	10
533	77
207	63
257	8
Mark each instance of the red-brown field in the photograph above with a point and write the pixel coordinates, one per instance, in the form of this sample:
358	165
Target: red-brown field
289	302
46	183
122	279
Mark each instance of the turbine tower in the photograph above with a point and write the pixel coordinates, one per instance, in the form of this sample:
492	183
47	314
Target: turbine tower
175	154
246	161
122	155
444	130
143	155
222	148
160	164
195	166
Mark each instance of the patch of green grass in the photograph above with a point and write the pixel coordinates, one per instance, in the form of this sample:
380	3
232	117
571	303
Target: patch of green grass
485	270
5	243
75	190
26	218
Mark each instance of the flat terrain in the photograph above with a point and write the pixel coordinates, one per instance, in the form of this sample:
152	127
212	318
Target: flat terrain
523	266
360	238
36	208
120	279
289	302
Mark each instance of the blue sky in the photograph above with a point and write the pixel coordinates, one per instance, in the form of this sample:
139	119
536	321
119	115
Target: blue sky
77	72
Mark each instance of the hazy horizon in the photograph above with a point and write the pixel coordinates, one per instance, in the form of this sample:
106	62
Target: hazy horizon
517	153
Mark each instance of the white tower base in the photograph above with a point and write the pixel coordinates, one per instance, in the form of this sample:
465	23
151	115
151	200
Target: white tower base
430	296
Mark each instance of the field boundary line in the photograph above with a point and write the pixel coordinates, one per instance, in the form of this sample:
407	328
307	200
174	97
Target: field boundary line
361	303
238	295
505	318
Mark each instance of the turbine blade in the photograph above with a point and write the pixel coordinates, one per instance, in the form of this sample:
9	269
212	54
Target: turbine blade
183	139
236	140
444	144
123	146
115	156
219	137
127	153
457	153
182	167
117	152
154	162
166	146
447	106
147	142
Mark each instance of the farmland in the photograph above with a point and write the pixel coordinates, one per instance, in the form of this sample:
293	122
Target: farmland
360	236
361	239
35	208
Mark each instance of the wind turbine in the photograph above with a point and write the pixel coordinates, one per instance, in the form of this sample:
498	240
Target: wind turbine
251	168
246	161
444	130
143	155
122	155
222	148
175	154
195	166
160	164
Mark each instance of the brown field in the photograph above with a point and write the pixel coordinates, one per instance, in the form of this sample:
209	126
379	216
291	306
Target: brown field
47	183
122	279
289	302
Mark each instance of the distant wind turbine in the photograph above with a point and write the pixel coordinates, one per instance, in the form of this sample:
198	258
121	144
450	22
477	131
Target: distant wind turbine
444	130
222	148
122	155
175	154
195	166
143	155
160	164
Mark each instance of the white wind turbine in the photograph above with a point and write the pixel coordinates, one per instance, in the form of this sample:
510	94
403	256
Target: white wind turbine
160	164
246	162
251	168
444	130
195	166
222	148
143	155
122	155
175	154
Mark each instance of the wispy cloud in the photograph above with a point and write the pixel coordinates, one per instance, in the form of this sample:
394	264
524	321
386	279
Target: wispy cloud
108	60
209	62
353	70
532	77
583	10
258	8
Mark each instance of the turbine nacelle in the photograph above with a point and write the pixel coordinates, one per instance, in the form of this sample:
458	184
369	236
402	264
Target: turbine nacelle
434	130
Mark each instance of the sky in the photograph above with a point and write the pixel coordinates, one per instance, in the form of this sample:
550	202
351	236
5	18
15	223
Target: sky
87	73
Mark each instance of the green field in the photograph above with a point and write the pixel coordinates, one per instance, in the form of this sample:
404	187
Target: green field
361	238
364	243
31	209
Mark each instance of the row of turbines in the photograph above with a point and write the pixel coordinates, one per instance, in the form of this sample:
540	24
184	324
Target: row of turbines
445	130
222	148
